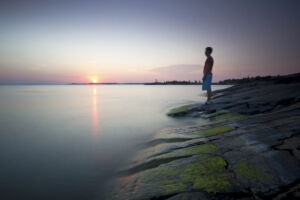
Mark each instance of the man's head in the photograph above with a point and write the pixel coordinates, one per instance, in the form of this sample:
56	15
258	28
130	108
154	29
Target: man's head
208	51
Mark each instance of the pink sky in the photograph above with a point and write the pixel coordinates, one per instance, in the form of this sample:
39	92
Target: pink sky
140	41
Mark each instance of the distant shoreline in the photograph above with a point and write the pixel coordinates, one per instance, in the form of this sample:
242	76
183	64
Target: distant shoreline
280	78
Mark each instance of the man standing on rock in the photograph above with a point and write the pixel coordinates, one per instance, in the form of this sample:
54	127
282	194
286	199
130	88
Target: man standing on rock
207	73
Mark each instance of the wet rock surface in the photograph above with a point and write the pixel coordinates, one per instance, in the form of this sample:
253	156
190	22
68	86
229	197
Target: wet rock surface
248	149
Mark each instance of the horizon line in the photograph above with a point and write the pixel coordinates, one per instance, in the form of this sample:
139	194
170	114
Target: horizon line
107	83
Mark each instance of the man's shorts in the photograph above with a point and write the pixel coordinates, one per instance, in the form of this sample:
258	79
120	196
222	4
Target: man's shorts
206	85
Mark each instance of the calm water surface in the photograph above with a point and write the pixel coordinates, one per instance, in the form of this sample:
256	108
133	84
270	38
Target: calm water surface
66	142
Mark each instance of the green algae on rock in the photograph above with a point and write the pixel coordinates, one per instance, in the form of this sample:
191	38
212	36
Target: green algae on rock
247	171
225	116
208	174
159	181
214	114
158	173
180	110
213	131
174	187
188	151
233	116
198	173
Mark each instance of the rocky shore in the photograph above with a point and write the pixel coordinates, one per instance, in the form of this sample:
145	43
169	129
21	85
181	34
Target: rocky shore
248	149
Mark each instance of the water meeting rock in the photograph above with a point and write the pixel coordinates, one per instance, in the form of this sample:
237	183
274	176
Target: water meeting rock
248	149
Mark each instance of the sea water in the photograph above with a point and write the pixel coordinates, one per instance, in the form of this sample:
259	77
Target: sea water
68	141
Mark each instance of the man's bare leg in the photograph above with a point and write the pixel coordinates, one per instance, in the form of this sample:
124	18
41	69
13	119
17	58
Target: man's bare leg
208	95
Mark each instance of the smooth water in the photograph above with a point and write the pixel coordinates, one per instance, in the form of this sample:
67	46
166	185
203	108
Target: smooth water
67	141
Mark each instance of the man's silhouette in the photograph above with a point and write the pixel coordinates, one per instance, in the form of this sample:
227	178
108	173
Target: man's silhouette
207	73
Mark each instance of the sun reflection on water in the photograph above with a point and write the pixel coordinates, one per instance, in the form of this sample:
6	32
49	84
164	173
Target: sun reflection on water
96	133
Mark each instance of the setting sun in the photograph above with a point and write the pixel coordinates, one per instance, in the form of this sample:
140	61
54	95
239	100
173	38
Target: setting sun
93	79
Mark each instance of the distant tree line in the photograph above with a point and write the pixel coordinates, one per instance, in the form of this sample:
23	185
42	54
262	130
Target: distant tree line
248	79
276	79
174	82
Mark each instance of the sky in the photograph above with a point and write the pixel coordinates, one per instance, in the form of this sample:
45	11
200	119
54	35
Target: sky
43	41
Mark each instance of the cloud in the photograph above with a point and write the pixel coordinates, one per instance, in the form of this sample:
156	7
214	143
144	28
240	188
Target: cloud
178	72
